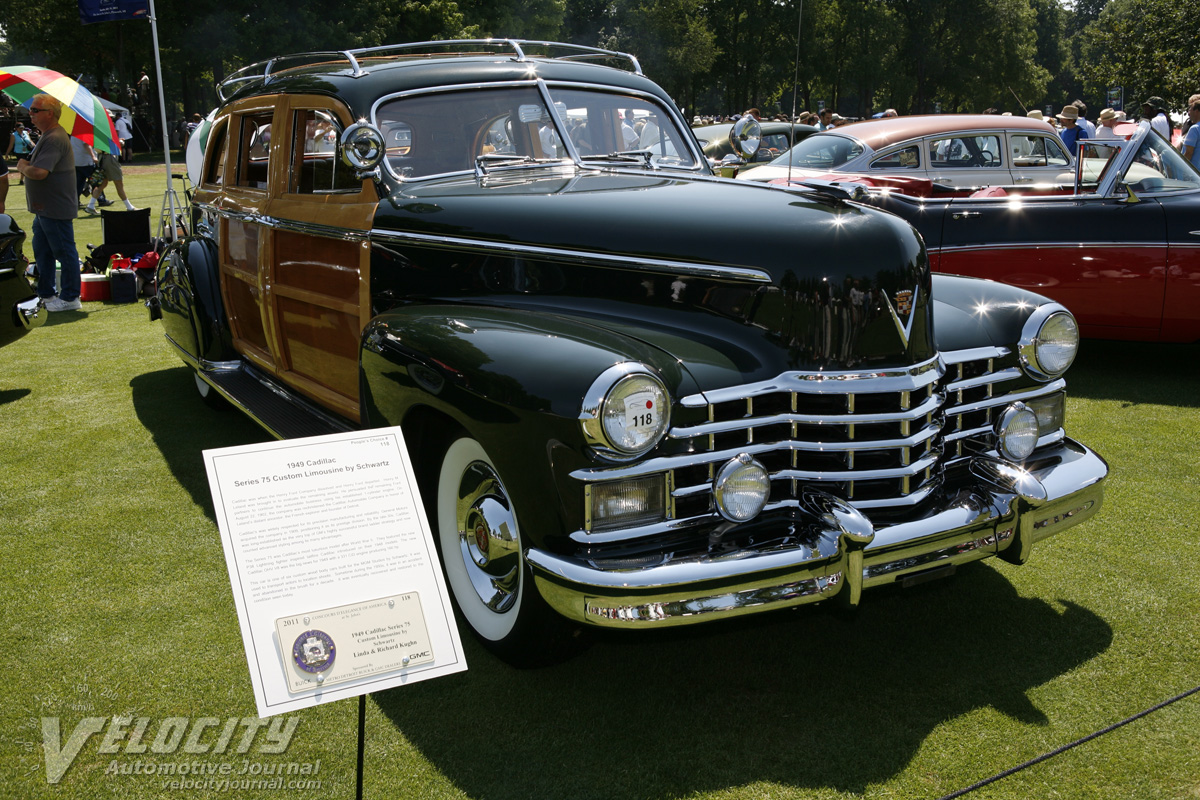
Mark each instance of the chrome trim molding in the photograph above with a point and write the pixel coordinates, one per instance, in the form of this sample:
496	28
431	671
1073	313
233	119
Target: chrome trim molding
623	262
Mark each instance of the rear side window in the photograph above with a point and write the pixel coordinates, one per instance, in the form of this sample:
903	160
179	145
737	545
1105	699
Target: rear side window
904	158
215	174
1034	150
254	150
966	151
315	167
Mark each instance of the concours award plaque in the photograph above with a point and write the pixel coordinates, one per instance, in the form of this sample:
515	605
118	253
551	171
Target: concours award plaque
334	574
340	644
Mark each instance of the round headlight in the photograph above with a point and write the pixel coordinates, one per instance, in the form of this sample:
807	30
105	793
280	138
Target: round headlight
1017	432
626	412
1049	342
741	488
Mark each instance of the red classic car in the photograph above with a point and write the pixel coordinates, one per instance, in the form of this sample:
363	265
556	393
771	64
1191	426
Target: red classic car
1120	247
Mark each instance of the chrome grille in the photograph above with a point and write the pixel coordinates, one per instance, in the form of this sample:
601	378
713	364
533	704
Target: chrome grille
872	437
977	388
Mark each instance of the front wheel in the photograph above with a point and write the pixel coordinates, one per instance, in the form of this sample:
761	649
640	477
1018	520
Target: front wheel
481	548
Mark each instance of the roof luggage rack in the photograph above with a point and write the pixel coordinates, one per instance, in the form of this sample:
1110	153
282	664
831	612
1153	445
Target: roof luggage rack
519	49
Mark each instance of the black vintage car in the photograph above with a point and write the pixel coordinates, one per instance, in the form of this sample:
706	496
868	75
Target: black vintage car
21	309
623	414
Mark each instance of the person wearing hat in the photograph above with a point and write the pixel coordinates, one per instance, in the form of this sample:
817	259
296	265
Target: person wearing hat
1071	133
1105	124
1191	143
1155	110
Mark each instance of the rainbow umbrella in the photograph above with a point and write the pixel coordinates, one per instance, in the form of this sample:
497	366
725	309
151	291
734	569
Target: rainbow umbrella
82	114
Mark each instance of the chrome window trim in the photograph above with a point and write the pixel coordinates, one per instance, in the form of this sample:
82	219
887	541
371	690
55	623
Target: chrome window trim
543	87
577	256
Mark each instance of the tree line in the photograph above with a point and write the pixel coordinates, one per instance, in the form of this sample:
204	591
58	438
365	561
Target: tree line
713	56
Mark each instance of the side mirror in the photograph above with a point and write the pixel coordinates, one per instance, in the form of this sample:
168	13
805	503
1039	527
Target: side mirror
729	165
362	149
746	137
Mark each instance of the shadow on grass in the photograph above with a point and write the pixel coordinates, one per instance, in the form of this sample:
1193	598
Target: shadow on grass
806	698
1136	373
12	395
168	406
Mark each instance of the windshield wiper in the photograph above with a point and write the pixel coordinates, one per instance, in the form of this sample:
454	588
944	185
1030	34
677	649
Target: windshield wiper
644	156
508	160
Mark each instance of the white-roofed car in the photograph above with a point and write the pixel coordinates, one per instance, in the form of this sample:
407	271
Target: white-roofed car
949	151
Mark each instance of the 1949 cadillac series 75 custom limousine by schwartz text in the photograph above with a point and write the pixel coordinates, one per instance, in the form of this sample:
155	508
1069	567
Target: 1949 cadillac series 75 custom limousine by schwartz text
621	412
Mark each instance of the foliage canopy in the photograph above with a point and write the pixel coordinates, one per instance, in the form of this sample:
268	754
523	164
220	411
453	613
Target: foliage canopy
714	56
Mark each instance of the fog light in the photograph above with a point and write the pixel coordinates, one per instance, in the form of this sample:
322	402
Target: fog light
626	504
741	488
1051	412
1017	432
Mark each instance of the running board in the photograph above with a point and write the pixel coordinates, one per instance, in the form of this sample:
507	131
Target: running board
280	412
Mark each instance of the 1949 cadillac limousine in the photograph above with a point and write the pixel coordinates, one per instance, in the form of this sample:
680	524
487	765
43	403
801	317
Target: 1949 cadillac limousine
623	415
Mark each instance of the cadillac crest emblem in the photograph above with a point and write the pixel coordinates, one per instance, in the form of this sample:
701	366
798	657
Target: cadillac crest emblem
904	302
314	651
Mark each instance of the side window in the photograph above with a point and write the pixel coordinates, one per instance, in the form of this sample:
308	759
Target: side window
965	151
1033	150
215	174
254	150
315	167
905	158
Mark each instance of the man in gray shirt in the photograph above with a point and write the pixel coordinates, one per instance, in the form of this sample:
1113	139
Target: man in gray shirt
50	196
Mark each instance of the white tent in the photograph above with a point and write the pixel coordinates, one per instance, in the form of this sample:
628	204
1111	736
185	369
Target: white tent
111	106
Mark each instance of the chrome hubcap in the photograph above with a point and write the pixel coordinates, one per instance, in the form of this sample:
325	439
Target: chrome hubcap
487	534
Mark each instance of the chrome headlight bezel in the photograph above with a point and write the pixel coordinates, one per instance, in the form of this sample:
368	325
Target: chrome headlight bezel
604	406
1017	432
741	488
1043	331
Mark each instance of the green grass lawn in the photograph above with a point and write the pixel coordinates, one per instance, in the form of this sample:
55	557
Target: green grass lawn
115	601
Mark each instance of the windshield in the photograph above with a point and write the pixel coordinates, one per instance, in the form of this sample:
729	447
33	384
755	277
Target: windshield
445	132
1158	167
821	151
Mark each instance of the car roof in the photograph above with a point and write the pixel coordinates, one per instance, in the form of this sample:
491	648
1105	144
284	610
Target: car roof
880	133
359	77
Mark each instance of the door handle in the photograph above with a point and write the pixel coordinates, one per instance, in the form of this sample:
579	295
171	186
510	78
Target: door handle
964	214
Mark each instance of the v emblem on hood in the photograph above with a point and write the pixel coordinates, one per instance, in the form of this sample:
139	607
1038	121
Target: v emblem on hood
904	306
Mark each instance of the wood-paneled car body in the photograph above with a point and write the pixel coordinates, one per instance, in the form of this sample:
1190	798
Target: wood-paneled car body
19	304
622	416
1119	247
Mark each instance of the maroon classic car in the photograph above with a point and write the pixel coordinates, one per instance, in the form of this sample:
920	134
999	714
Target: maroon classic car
1120	247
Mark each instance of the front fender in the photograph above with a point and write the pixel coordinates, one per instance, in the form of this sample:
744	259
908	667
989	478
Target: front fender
975	312
190	295
513	380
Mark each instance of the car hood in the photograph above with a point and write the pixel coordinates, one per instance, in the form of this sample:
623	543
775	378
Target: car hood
831	283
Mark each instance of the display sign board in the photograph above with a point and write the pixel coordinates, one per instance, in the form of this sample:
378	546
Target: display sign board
336	581
112	10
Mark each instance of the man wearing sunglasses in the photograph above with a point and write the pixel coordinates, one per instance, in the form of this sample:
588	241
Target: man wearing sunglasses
50	196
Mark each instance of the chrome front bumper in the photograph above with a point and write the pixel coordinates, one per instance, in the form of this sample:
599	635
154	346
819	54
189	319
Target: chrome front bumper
1004	512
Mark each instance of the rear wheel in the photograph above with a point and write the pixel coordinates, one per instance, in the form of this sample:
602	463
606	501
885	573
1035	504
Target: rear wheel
481	547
